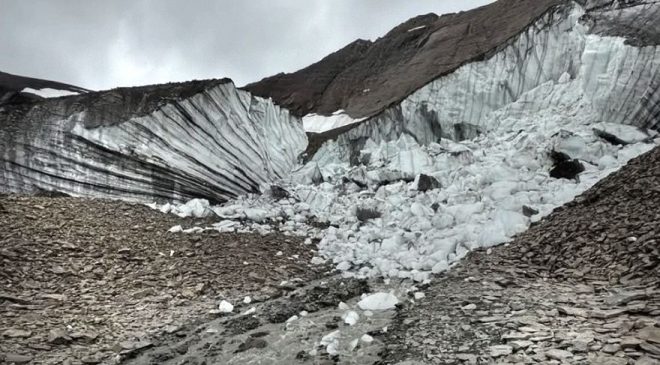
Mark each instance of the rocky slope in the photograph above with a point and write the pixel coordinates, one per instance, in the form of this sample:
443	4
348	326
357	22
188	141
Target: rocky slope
90	281
169	142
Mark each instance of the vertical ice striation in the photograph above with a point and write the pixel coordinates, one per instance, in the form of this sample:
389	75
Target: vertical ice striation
619	82
216	144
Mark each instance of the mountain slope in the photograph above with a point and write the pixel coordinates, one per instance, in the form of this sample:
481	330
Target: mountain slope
617	79
368	77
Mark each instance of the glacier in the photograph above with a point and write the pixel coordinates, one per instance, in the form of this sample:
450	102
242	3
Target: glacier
485	132
216	144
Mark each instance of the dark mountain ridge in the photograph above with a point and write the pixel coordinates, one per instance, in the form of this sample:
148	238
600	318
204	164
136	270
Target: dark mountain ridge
366	77
11	87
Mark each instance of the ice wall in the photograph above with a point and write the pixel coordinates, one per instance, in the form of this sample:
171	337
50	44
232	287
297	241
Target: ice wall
216	144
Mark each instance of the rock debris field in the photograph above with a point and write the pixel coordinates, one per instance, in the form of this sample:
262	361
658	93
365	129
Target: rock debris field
90	281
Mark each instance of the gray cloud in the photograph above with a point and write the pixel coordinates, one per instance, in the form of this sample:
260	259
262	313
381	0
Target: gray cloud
103	44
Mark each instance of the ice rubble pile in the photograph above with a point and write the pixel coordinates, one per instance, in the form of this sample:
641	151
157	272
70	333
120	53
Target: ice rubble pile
556	88
485	182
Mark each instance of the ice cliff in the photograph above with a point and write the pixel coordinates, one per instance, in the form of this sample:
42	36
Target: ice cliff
169	142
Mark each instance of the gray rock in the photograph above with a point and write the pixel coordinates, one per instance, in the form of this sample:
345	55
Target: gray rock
645	360
14	299
557	354
252	343
366	214
427	183
529	211
490	319
469	358
500	350
580	346
58	337
16	333
130	346
516	336
652	349
572	311
609	360
278	192
520	344
17	359
611	348
650	334
606	314
567	169
624	298
610	137
630	343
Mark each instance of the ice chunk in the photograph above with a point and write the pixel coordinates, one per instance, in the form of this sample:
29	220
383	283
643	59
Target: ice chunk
197	208
331	341
350	317
378	302
256	214
226	307
175	229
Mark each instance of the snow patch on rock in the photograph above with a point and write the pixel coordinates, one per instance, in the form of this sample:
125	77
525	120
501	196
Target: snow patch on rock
314	123
48	92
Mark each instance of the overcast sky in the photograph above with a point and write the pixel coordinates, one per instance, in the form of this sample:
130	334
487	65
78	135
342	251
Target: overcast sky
100	44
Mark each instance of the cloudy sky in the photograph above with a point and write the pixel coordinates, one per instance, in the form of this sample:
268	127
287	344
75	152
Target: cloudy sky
101	44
